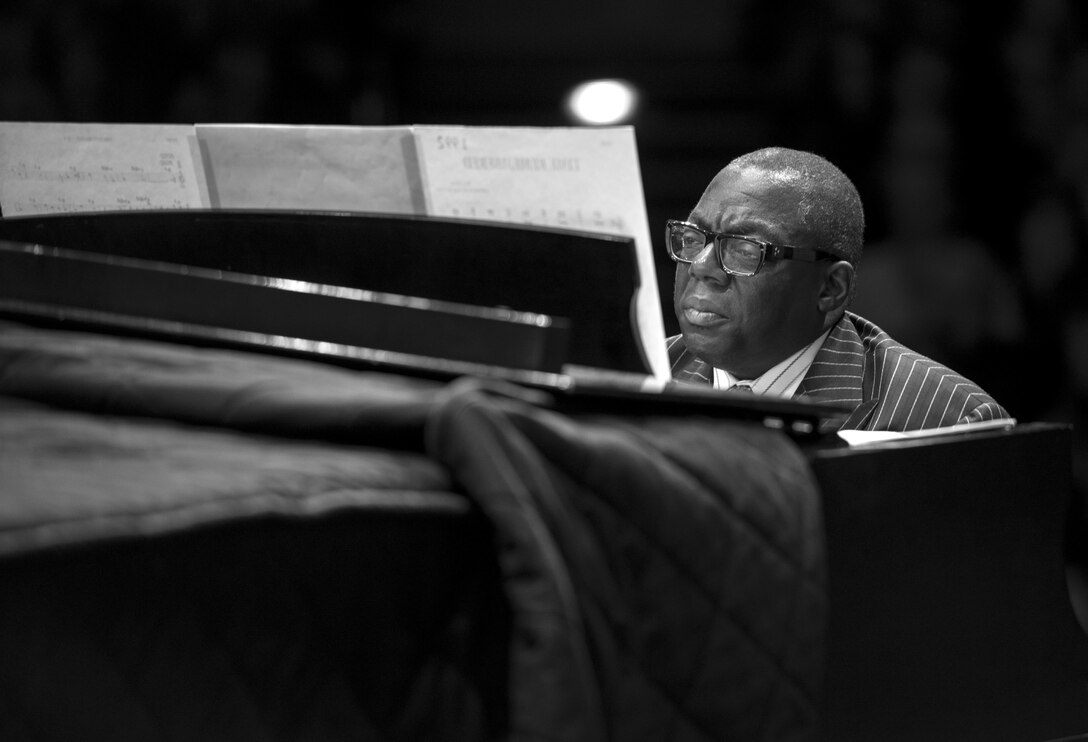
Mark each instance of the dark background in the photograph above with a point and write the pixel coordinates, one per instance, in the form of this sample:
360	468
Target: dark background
965	129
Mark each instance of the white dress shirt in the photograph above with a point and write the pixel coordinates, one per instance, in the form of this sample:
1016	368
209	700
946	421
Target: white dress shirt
782	379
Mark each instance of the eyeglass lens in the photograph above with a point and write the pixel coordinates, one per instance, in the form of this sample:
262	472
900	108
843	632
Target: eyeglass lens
736	254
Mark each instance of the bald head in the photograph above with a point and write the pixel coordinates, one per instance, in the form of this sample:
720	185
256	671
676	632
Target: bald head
828	205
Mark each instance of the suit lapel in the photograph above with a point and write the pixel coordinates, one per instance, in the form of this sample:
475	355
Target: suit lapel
837	372
686	367
695	371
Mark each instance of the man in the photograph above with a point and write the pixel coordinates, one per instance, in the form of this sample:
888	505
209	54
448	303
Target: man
766	267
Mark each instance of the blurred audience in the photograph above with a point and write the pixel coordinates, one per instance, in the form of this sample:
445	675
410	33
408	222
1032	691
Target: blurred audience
928	280
934	286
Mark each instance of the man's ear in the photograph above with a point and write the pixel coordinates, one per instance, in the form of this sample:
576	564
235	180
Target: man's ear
837	288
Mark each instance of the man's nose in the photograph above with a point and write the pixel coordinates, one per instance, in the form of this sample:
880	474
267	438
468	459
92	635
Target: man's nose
706	266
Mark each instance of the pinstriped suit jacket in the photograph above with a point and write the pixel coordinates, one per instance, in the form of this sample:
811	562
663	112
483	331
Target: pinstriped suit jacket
887	385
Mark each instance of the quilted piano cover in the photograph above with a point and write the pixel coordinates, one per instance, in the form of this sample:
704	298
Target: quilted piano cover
657	577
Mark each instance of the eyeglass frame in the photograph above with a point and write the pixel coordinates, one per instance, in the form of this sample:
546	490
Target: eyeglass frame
766	249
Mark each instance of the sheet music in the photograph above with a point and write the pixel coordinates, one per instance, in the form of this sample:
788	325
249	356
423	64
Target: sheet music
336	168
578	178
57	168
585	179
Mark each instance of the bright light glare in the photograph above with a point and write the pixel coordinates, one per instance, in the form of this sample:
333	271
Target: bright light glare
602	101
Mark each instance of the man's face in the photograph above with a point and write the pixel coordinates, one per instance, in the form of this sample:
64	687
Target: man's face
746	324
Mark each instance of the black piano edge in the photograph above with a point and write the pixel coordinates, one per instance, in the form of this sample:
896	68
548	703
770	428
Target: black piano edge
575	389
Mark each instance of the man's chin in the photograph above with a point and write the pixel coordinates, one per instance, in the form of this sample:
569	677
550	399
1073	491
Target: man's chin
707	346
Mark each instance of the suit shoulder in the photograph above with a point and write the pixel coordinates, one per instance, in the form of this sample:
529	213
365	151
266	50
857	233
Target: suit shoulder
914	390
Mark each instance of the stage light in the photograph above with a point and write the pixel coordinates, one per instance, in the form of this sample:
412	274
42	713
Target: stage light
602	102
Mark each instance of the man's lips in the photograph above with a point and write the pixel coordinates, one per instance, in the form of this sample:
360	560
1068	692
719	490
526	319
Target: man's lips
702	316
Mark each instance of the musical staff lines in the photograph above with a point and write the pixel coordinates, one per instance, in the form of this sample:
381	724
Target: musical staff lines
62	168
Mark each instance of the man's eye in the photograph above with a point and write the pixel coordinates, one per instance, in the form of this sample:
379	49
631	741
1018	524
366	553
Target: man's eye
744	249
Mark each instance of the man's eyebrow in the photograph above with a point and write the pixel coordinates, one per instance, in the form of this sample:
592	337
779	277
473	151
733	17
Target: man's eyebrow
744	228
749	225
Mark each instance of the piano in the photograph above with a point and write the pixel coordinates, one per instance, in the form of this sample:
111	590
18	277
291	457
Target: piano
953	580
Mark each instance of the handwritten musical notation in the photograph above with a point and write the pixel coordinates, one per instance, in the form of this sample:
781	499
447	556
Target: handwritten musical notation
589	220
63	168
561	177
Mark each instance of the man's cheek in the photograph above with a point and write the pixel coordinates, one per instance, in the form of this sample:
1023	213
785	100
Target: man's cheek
680	282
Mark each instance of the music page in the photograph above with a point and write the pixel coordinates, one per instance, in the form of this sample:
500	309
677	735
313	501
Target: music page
50	168
337	168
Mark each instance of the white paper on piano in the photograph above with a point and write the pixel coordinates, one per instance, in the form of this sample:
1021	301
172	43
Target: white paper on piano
336	168
579	178
48	168
871	437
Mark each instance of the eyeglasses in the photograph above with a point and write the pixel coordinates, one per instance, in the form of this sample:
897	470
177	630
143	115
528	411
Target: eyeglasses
737	255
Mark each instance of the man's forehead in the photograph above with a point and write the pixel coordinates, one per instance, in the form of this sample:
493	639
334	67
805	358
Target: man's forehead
749	194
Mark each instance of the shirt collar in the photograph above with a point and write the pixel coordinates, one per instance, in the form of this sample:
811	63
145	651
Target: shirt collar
782	379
